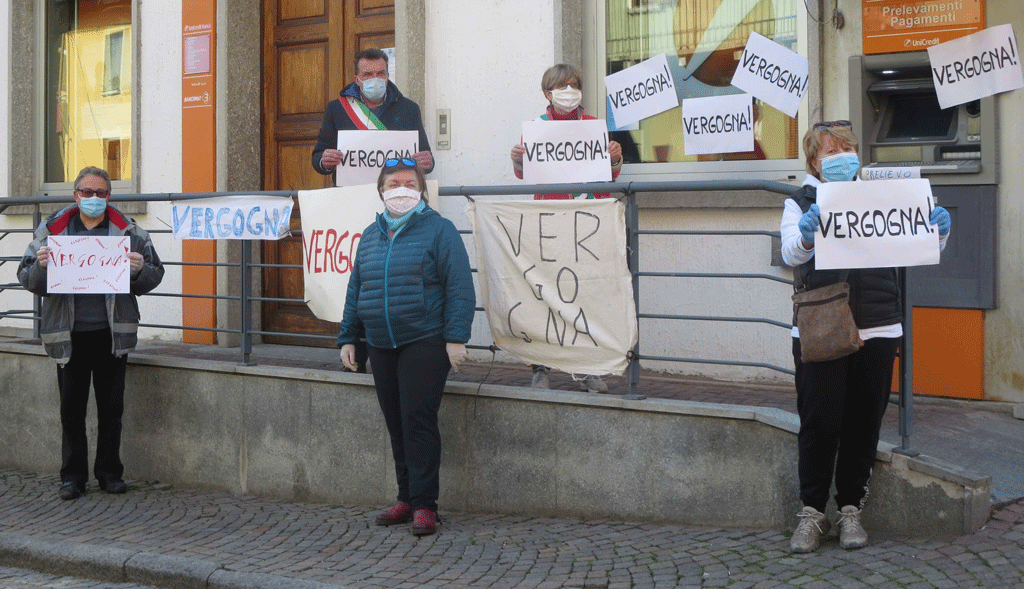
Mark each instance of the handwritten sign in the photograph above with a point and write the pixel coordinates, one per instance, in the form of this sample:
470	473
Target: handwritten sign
363	153
976	66
554	281
873	173
88	264
719	124
878	224
232	217
772	73
566	151
333	221
641	91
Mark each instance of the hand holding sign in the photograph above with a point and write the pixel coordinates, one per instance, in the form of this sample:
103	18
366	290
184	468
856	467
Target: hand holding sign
566	151
879	224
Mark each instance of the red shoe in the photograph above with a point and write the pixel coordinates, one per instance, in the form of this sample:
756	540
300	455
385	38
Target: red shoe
424	522
399	514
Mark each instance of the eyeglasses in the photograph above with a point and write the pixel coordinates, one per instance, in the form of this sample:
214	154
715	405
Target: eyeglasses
88	193
828	124
395	161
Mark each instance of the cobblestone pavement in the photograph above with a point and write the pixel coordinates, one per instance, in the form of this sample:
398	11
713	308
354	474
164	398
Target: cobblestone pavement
340	545
11	578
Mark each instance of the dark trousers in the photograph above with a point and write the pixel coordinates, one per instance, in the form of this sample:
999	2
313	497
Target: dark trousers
91	360
409	381
362	353
841	404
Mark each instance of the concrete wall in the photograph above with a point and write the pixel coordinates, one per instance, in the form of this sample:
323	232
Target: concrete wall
309	435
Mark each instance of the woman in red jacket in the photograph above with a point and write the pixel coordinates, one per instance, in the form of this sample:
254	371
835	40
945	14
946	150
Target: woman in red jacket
561	86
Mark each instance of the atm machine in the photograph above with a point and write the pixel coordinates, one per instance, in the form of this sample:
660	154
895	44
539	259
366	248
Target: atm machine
897	118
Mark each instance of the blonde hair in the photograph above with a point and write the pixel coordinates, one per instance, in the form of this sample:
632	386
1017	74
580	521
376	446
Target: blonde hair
557	76
815	136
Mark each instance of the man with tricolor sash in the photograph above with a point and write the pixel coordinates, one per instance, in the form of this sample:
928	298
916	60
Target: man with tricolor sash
370	102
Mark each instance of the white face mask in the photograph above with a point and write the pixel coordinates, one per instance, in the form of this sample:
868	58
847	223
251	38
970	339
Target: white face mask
567	98
374	89
401	200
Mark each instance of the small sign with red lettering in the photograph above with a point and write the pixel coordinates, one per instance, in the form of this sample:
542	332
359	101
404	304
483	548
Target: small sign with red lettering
88	264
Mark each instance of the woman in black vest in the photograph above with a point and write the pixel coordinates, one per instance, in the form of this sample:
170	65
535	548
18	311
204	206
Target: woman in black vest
841	402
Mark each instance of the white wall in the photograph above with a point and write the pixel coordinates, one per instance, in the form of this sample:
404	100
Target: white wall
5	95
1004	326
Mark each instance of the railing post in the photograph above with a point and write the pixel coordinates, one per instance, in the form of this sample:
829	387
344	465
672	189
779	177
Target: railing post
633	261
246	302
906	374
37	301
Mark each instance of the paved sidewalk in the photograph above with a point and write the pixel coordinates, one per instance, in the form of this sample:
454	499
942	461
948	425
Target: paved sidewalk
183	538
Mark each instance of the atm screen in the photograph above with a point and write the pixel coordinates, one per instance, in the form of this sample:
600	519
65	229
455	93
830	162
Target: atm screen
918	116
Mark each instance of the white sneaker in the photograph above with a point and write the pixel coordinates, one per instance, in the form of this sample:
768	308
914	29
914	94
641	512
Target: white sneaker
851	533
593	384
807	536
540	378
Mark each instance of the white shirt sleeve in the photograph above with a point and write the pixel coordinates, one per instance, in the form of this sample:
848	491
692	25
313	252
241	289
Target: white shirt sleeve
793	252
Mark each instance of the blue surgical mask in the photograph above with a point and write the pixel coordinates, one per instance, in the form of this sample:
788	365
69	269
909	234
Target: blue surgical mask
374	89
841	167
93	206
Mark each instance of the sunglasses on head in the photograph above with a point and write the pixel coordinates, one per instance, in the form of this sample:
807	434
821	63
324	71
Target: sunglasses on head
828	124
395	161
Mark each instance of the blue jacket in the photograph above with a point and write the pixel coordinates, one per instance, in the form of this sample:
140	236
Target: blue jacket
412	286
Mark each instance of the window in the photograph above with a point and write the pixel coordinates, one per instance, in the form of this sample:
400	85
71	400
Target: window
703	40
88	88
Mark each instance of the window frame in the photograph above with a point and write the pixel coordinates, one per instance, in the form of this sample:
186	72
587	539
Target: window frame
594	64
44	188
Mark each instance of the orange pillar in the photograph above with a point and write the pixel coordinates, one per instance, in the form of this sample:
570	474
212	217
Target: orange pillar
199	159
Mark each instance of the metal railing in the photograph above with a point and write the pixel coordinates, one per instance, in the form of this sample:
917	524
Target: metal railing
626	191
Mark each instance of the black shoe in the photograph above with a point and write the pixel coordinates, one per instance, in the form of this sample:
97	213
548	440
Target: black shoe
114	486
69	491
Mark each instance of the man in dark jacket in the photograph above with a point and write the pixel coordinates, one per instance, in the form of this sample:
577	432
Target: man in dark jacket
90	335
370	102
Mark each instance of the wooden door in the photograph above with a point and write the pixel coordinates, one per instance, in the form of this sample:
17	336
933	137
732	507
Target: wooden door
308	46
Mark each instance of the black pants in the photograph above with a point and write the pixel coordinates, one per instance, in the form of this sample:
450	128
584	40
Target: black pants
409	382
841	404
361	355
91	360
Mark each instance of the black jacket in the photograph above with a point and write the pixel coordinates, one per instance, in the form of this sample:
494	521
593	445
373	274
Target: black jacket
398	114
874	292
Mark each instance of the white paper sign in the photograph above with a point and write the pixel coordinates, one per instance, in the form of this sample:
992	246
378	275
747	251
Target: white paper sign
976	66
875	173
554	281
333	221
363	153
718	124
88	264
641	91
878	224
232	217
772	73
560	152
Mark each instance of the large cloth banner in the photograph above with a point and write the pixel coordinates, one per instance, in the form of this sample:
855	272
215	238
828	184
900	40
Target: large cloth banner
562	152
363	153
879	224
88	264
554	282
772	73
976	66
333	221
641	91
233	217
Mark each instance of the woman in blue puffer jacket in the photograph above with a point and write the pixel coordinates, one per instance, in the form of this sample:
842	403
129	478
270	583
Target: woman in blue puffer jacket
411	296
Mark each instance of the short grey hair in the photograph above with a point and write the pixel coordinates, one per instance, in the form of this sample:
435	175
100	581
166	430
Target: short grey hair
92	171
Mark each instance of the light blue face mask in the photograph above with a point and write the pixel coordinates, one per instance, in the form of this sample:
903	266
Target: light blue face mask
841	167
93	206
374	89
